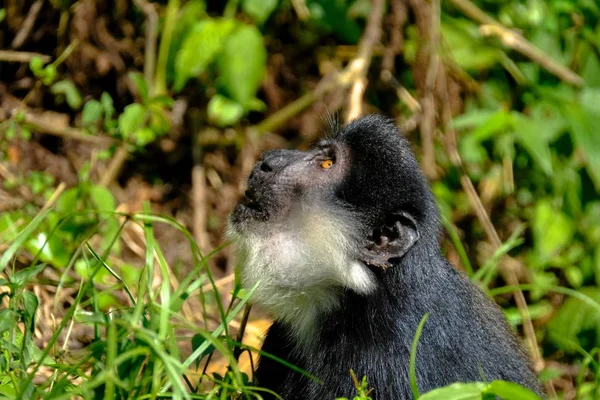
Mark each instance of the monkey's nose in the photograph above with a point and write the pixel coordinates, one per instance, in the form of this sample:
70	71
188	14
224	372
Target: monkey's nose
265	167
249	195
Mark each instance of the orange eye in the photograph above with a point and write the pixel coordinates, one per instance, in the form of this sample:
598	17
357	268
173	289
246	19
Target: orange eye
327	164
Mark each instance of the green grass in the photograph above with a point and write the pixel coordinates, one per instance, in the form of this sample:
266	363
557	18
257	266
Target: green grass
136	347
146	346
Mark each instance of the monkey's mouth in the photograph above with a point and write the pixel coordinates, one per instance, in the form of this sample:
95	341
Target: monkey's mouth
249	209
251	202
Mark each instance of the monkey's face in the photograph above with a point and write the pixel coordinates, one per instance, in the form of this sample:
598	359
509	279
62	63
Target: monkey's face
296	240
315	223
283	182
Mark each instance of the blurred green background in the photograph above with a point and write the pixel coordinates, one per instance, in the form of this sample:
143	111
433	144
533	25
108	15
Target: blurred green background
113	112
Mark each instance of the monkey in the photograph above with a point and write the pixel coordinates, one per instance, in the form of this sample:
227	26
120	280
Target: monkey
341	244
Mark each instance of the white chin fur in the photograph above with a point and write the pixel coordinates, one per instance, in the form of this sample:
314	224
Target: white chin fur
301	266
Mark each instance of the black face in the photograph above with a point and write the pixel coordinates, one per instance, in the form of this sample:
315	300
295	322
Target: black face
366	171
284	179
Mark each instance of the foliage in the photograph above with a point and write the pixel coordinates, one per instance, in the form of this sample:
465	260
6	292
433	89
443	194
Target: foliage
138	352
527	139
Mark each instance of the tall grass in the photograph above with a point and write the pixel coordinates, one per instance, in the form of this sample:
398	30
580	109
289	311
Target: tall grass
136	349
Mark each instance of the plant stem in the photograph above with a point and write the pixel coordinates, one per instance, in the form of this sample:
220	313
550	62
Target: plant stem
160	81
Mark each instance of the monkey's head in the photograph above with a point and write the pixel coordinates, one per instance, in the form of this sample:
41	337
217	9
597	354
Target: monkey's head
315	223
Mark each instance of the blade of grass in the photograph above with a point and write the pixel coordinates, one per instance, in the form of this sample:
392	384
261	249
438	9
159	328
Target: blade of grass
112	272
21	238
558	289
413	358
460	249
67	317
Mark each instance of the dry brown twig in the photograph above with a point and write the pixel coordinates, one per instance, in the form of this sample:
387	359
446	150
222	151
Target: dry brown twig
39	124
427	16
22	56
510	266
27	25
118	161
54	196
115	166
398	17
491	27
436	75
360	65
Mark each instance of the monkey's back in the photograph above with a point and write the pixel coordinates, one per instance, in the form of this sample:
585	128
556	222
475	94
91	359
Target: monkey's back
465	339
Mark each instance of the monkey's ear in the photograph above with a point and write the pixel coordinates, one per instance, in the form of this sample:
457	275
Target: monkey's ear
390	241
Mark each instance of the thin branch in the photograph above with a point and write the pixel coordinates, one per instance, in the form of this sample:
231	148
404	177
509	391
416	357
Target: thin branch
428	23
518	43
329	83
115	166
40	125
22	56
363	60
151	38
491	27
397	19
510	266
277	119
54	196
199	206
473	12
27	25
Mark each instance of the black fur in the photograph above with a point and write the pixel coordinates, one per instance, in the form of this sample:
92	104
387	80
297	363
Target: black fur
465	337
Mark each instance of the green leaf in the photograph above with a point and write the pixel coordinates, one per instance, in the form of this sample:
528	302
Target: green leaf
69	90
159	122
584	119
197	341
8	320
67	202
468	49
590	71
24	276
140	84
91	317
510	391
7	389
132	119
30	305
50	248
92	113
36	65
572	319
107	105
471	119
242	64
487	126
11	131
499	122
332	16
223	111
49	74
200	47
25	234
552	231
25	133
531	135
259	10
574	276
102	198
456	391
144	136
